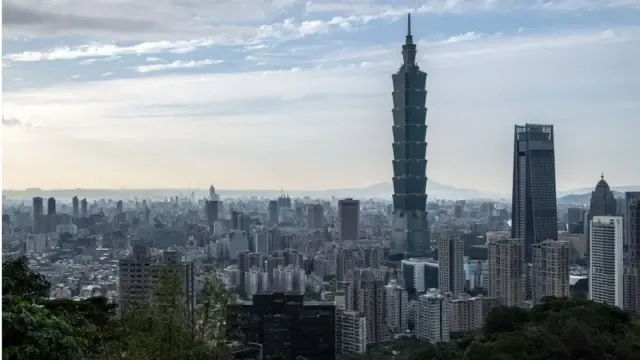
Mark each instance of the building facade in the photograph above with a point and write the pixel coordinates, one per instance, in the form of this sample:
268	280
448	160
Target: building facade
410	227
534	213
451	262
507	275
349	219
433	317
351	332
550	269
606	260
631	224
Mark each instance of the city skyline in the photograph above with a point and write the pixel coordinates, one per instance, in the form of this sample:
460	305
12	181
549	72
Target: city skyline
160	110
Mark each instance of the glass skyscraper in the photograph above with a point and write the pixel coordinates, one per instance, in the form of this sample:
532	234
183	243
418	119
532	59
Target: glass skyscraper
411	230
534	212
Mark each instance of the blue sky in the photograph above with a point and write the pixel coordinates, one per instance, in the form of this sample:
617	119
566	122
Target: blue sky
262	94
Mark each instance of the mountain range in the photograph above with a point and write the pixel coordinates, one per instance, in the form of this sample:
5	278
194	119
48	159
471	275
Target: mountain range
435	190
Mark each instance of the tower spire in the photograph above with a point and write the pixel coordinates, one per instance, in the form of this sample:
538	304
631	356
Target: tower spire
409	24
409	48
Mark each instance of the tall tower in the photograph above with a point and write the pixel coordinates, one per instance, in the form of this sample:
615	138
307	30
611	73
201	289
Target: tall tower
411	230
451	262
606	260
534	212
76	206
602	203
631	222
349	219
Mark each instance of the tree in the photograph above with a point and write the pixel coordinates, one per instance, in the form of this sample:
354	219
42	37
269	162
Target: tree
19	280
166	327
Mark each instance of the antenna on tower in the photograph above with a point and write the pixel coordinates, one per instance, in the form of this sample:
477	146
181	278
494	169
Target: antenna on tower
409	24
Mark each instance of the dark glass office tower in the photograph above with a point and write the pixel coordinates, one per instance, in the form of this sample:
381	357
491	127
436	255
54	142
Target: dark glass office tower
286	326
411	230
534	212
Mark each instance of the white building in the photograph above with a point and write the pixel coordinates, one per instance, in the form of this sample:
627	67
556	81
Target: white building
351	332
433	317
397	307
606	263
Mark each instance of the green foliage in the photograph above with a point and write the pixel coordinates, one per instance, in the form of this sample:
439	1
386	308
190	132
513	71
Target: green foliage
557	328
165	328
19	280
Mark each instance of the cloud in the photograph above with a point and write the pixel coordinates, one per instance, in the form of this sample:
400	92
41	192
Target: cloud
338	118
11	122
153	59
464	37
107	74
93	60
178	64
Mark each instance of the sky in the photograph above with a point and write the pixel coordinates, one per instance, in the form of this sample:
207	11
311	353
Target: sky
263	94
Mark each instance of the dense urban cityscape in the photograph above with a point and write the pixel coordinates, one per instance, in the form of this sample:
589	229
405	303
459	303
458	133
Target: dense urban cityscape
324	279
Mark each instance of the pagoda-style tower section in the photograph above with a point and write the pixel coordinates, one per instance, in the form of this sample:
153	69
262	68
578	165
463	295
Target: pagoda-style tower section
411	230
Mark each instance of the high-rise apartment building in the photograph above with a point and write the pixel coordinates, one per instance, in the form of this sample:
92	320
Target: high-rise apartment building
433	317
468	313
349	219
396	307
410	227
507	275
606	260
286	326
451	262
631	255
534	213
351	332
140	272
365	293
550	269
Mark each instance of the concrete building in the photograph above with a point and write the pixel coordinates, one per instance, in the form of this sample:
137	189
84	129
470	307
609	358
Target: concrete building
139	273
631	222
397	307
606	260
365	293
315	216
274	212
349	219
470	313
433	317
550	269
507	275
451	262
603	203
351	332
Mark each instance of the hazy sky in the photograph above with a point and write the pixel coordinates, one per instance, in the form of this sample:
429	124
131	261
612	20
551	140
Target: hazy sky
270	93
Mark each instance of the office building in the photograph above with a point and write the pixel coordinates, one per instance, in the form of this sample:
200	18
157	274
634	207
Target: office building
274	212
212	208
39	221
351	332
75	205
575	220
550	270
51	206
349	219
396	307
84	208
315	216
433	317
534	214
410	227
420	274
451	262
631	222
139	273
507	275
469	313
286	326
602	203
606	260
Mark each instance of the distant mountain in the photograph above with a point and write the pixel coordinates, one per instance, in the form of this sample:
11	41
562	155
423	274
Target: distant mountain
435	190
582	199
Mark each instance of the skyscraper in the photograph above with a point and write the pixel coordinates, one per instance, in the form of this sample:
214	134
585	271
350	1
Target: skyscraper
76	206
349	219
534	212
84	208
631	254
274	212
602	203
411	230
605	262
51	206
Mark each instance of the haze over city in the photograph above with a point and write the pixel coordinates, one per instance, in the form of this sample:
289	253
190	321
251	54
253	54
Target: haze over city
297	95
